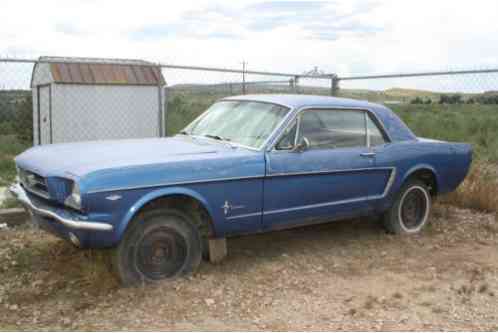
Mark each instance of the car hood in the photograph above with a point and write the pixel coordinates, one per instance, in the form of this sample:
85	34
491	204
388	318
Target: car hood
79	159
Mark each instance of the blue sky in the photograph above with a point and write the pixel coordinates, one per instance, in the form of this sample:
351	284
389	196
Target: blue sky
343	36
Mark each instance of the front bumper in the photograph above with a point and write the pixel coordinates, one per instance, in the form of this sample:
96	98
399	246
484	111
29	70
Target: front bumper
68	220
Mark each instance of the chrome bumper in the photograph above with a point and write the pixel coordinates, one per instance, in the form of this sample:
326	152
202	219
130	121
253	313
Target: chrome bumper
20	194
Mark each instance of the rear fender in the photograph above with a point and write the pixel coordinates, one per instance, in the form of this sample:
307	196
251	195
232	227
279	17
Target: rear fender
391	196
418	167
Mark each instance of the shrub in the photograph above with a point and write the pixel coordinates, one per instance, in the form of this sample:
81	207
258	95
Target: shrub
450	99
478	191
16	114
417	100
23	124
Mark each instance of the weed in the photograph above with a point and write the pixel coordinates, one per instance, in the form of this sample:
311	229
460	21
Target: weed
10	203
478	191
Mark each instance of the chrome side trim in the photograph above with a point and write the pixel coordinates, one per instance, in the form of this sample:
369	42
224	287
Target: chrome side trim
243	215
20	194
389	184
200	181
325	204
367	132
322	172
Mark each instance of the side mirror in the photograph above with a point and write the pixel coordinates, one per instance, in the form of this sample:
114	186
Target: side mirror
302	145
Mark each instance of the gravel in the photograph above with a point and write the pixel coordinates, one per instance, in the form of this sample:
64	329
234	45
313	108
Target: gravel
347	275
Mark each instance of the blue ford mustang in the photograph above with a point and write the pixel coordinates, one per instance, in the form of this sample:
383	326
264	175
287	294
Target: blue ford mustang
248	164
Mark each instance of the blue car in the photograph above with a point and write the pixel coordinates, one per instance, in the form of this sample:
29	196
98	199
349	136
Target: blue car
248	164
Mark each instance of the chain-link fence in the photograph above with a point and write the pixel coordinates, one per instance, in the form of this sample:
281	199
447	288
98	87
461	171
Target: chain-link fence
447	105
190	90
15	98
430	87
55	100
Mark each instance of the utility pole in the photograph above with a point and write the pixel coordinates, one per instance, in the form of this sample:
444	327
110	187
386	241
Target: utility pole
334	85
244	64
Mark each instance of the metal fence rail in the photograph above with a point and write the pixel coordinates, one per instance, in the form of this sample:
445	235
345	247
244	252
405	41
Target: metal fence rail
188	90
420	74
463	82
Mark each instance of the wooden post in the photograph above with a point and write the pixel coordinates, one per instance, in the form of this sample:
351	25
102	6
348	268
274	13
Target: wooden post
13	216
217	249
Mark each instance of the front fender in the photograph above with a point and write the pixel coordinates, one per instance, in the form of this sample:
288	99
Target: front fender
158	194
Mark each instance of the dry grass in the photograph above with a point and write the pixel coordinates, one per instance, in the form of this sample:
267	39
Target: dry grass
478	191
346	275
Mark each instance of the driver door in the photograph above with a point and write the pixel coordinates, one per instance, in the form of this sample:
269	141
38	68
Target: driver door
330	176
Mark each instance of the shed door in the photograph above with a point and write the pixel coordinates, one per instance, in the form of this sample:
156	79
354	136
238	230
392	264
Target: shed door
44	115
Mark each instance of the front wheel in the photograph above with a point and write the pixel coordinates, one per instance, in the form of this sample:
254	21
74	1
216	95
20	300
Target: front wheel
159	244
410	211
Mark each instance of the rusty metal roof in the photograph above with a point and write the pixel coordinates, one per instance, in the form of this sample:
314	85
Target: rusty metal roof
104	71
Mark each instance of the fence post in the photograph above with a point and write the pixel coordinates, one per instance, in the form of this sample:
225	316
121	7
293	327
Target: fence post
165	111
334	85
244	78
160	107
296	84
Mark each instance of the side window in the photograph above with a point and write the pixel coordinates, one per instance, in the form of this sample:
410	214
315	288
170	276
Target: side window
288	138
328	129
374	133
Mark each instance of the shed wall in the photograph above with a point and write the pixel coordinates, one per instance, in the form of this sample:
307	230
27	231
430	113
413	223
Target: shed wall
98	112
41	74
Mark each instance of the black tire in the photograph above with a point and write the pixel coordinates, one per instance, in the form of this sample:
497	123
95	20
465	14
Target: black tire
410	211
205	249
161	243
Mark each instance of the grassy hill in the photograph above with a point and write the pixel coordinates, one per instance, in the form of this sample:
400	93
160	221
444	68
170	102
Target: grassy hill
476	123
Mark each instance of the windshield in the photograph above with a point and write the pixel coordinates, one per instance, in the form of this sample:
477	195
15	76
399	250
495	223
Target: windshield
241	122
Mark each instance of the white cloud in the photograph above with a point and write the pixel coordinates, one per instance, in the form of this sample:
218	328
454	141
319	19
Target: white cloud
346	36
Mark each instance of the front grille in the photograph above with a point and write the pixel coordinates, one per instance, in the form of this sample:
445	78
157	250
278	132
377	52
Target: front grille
60	189
34	183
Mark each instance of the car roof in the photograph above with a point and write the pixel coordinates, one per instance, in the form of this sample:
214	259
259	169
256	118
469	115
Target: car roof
297	101
396	129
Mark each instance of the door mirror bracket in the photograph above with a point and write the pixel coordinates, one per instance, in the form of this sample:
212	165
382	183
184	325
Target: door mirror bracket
302	145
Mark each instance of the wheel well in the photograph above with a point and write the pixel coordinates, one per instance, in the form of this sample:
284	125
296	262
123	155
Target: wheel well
429	179
187	205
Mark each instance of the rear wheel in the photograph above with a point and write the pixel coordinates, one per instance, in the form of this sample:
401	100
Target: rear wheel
410	211
160	244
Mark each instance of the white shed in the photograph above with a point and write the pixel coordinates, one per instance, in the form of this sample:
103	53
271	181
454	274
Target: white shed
95	99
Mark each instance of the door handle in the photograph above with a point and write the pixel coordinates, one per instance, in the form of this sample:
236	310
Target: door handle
369	154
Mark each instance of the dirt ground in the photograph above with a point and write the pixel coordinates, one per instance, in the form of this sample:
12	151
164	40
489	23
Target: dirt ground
346	275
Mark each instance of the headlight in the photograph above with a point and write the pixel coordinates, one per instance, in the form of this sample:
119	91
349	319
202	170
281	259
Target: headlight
74	200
